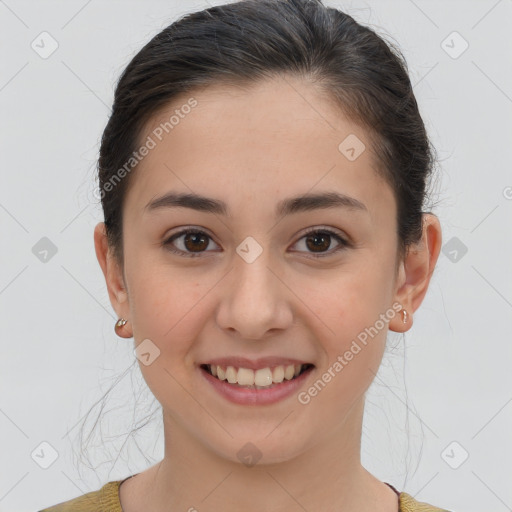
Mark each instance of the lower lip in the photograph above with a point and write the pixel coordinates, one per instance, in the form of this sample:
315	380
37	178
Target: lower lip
247	396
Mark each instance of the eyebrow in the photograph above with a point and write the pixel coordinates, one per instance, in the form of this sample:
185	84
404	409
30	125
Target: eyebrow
302	203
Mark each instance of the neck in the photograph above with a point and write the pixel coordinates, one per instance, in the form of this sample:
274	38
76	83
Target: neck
325	477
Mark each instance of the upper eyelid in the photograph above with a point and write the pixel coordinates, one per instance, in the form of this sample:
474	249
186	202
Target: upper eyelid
184	231
313	229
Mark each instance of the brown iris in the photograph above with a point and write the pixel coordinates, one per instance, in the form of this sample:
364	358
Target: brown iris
195	238
321	241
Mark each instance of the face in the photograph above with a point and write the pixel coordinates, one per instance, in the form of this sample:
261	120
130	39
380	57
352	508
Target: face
259	285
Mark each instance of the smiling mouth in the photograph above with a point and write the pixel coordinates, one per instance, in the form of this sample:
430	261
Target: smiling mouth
263	378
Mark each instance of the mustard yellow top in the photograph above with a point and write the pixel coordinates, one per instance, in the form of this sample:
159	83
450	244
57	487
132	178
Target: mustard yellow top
106	499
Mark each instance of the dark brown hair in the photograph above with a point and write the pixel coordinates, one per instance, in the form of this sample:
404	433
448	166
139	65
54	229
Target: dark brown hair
250	40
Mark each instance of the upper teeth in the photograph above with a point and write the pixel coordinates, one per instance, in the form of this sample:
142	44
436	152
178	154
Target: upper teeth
262	377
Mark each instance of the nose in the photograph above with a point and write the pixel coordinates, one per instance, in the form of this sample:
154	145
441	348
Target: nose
255	301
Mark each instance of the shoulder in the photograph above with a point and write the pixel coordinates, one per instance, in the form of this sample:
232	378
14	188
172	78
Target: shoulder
409	504
105	499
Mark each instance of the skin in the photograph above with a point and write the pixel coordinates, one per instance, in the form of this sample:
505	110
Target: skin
276	139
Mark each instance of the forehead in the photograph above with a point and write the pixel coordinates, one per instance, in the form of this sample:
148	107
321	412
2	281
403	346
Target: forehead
277	137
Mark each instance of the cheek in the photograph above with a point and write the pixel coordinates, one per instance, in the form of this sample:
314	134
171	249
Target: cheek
165	309
353	359
169	316
349	303
352	324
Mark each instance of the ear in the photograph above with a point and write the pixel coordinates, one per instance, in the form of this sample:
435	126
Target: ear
415	272
113	273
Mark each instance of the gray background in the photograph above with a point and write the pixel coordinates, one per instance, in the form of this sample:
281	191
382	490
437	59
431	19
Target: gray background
444	390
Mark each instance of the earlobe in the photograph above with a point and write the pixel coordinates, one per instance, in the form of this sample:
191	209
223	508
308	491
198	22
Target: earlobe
416	271
111	271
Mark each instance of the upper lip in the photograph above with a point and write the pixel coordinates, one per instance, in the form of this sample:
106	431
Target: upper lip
254	364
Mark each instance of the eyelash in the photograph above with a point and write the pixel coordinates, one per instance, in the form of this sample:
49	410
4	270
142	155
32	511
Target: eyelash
343	243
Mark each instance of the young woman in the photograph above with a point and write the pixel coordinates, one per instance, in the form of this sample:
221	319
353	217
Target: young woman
263	176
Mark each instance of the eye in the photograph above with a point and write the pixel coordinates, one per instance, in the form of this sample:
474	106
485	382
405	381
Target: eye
193	243
319	240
